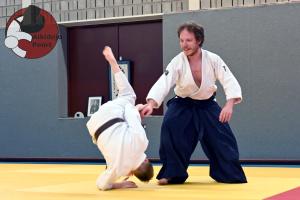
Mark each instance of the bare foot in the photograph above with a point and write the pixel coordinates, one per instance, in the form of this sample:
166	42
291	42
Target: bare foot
163	181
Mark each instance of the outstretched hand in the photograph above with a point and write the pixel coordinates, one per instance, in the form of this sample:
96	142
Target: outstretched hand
108	54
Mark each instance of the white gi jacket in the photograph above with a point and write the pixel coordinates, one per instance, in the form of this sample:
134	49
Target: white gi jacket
124	143
178	72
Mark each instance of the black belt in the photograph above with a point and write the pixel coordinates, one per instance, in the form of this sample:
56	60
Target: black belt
106	125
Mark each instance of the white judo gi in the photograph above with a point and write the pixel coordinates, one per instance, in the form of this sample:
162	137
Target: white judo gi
124	143
178	72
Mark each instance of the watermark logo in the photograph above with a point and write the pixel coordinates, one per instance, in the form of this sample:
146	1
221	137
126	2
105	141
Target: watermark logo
31	32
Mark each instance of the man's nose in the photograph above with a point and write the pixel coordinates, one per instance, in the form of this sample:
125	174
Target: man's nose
185	46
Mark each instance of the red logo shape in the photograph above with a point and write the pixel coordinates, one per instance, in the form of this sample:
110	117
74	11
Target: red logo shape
31	32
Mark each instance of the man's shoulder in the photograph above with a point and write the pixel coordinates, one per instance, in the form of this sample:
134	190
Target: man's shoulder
210	54
176	60
178	56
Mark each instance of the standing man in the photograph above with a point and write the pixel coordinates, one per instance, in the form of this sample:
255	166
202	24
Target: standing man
193	113
116	129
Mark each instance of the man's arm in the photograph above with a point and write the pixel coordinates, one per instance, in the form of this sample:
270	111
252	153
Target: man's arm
133	119
229	83
109	56
107	181
161	88
231	87
125	89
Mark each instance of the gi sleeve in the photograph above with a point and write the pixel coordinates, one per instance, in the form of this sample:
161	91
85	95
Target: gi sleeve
133	119
161	88
106	179
124	87
228	81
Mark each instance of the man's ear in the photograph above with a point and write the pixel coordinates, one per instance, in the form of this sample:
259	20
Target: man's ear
199	42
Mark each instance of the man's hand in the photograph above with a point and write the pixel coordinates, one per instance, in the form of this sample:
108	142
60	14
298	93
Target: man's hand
148	109
124	184
108	54
227	111
140	108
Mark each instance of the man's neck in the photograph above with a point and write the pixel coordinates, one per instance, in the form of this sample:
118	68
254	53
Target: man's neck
196	56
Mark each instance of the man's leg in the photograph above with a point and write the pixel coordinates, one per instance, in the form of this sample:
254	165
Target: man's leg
220	146
178	141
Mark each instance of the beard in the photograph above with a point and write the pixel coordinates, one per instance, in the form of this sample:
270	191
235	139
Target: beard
191	51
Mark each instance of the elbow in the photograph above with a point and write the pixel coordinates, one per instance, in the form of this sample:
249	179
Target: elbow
103	188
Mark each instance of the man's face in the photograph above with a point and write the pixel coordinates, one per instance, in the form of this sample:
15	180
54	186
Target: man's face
188	42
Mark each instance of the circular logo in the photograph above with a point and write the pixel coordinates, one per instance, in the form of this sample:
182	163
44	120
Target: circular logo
31	32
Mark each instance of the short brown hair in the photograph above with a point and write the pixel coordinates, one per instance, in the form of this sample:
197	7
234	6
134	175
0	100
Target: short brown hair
145	172
193	27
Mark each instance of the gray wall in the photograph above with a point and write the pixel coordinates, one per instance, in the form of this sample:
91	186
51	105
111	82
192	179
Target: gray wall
261	45
33	98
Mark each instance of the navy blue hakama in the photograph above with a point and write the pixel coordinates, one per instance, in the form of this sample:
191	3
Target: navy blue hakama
188	121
